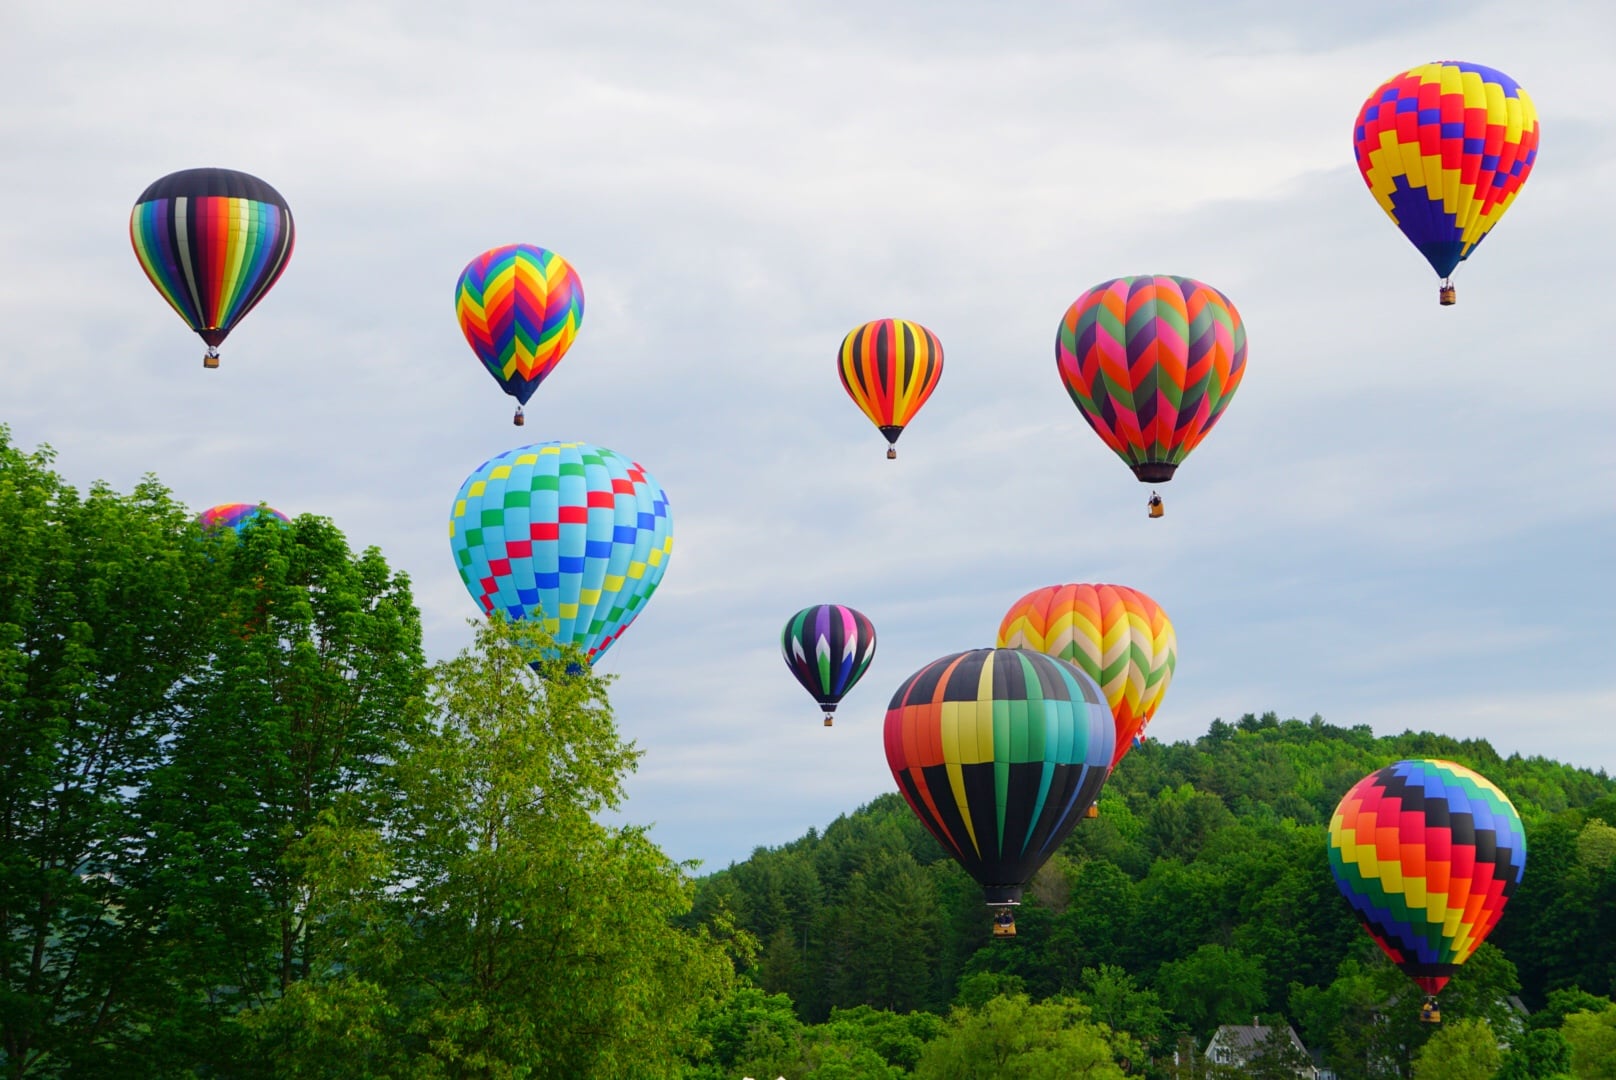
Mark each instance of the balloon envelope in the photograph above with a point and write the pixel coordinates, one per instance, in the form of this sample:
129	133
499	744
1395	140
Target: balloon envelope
213	242
1444	148
520	307
1121	638
889	368
828	647
999	752
574	534
1428	853
237	516
1151	362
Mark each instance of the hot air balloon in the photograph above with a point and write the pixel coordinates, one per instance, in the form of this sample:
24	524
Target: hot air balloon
1120	637
999	752
1428	853
212	241
889	368
828	647
574	534
1151	363
520	307
1445	148
237	516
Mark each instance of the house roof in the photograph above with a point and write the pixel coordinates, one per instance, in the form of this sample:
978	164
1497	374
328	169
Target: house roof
1248	1037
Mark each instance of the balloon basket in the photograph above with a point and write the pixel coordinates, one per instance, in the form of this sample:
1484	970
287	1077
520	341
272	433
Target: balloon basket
210	359
1447	296
1093	811
1430	1012
1156	507
830	721
518	420
892	453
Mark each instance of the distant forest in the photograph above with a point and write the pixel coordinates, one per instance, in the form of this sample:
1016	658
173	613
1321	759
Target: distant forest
1201	895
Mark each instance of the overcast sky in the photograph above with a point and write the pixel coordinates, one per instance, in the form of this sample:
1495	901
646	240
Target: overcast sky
1406	517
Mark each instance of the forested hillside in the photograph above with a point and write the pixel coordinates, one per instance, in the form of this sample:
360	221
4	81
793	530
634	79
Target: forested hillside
1200	895
247	830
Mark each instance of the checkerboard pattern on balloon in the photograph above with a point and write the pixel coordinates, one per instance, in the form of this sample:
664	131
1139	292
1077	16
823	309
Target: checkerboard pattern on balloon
573	534
1444	148
1428	853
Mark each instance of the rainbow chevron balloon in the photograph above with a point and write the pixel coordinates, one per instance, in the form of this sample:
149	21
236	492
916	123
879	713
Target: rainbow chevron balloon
237	516
999	752
1428	853
520	307
212	241
1120	637
828	647
1444	148
570	533
1151	363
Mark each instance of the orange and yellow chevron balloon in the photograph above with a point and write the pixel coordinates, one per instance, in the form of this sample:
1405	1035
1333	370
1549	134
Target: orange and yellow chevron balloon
1119	636
1444	148
889	368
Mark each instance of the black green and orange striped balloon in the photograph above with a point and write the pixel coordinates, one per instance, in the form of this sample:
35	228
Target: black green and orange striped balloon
889	368
999	752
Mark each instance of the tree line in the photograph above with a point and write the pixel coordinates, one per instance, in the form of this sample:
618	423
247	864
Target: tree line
248	830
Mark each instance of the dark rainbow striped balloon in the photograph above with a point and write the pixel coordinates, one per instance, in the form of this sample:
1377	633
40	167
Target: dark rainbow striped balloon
1151	362
1428	853
212	241
828	647
999	752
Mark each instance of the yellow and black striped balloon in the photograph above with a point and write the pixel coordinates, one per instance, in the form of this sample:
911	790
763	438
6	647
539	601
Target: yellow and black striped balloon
889	368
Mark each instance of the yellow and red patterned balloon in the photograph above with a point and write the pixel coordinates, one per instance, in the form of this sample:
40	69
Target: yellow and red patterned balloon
1428	852
1120	637
889	368
1444	148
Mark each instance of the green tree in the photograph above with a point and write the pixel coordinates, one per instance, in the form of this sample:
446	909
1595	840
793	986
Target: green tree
530	939
1460	1050
1213	986
1115	1001
1562	1003
748	1033
1010	1038
312	687
1596	845
1536	1055
897	1039
103	613
1592	1036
